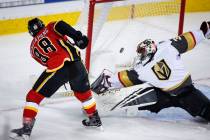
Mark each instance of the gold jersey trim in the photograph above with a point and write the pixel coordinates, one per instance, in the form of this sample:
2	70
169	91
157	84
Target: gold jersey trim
45	81
55	29
177	85
190	40
124	79
67	48
57	68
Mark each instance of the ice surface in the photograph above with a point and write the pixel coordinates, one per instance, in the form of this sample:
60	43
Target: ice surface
62	118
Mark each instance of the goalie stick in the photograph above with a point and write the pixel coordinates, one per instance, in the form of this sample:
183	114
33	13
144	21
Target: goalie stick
140	97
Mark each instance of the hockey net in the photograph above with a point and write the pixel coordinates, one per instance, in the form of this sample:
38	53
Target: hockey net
115	27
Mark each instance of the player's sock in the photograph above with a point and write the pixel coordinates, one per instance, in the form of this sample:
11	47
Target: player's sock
89	106
33	100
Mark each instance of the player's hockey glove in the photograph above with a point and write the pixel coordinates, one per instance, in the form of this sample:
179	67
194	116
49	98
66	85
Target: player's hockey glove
205	28
81	41
65	29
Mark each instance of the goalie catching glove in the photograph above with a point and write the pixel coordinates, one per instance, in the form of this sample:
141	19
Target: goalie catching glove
81	41
102	83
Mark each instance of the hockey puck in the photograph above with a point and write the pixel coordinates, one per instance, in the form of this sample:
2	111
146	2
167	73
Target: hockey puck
121	50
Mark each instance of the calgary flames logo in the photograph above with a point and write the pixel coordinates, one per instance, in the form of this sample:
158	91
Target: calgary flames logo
162	70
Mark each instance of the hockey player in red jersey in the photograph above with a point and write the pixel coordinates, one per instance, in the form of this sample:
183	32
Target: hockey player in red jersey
168	84
51	48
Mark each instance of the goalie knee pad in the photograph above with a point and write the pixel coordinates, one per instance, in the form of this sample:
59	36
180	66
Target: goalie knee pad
102	83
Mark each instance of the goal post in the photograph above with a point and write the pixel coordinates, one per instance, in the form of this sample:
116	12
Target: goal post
181	17
90	28
130	9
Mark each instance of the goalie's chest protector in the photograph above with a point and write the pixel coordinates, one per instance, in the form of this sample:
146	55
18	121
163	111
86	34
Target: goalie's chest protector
165	70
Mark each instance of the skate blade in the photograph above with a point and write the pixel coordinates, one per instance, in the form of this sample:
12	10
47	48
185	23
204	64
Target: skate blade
16	137
100	128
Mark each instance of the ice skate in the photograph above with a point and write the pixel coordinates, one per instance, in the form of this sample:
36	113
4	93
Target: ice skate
93	121
205	28
24	132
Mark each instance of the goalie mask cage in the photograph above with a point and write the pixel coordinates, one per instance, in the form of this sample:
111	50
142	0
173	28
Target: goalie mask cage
99	12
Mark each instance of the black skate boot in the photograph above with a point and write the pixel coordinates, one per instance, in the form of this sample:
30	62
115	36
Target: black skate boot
205	28
94	120
24	132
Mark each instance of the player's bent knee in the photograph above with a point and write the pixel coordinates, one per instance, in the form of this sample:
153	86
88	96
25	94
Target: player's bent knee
81	86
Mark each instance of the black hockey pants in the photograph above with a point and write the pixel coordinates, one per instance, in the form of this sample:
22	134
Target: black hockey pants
190	99
73	72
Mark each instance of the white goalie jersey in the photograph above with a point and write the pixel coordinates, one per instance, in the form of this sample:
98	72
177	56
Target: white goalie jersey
164	71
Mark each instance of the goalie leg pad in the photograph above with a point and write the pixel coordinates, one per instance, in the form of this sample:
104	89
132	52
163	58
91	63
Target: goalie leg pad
195	102
164	100
141	97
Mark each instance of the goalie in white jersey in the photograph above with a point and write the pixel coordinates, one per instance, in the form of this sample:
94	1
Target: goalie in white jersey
161	66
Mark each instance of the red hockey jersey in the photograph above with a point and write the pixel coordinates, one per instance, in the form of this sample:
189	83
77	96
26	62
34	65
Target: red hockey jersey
51	49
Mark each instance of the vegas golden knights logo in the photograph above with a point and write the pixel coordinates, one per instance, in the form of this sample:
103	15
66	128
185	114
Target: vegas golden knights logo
162	70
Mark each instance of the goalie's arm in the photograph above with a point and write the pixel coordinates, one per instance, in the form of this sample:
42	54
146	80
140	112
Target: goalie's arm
109	81
128	78
188	40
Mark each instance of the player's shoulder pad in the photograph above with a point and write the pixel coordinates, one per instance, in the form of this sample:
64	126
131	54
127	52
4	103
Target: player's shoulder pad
60	27
61	23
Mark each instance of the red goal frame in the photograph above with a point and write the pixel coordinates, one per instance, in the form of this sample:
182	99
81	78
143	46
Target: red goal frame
91	17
